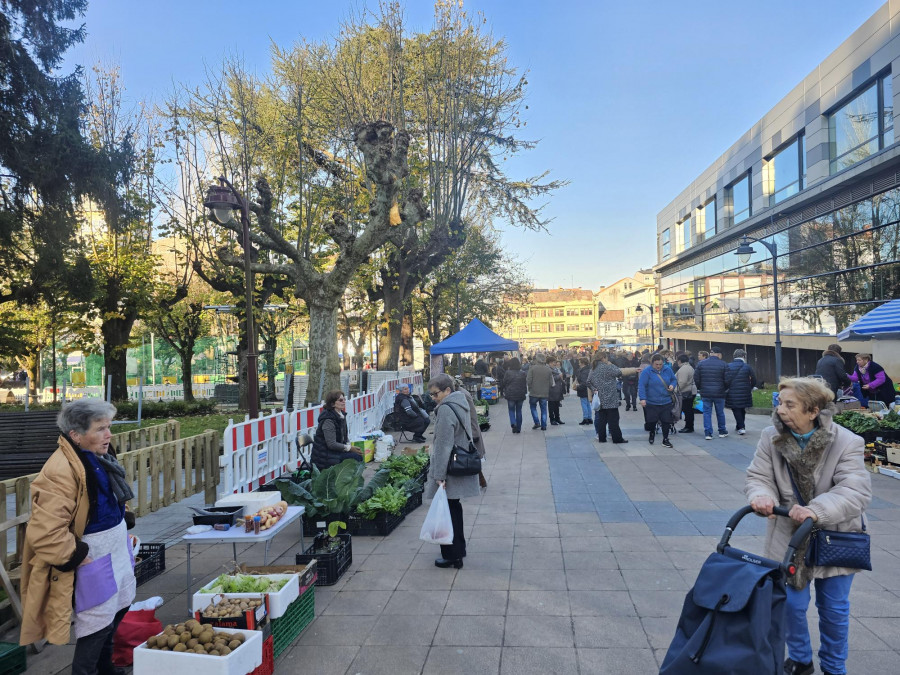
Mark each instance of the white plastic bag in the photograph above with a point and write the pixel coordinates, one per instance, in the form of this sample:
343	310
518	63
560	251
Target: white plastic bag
383	448
438	528
595	402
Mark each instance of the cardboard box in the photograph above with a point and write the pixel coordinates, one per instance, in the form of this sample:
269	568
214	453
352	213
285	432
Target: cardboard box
245	659
368	448
307	573
841	406
276	603
248	620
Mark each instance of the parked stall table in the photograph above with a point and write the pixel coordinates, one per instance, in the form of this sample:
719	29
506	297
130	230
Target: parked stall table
237	535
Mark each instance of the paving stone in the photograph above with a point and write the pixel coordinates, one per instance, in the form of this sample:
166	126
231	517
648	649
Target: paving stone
479	602
585	543
539	661
356	603
477	631
536	580
621	661
427	580
595	580
601	603
538	631
538	603
609	631
389	660
403	629
337	630
417	602
467	659
319	660
657	603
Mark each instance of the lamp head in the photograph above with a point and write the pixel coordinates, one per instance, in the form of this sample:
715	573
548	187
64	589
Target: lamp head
222	203
639	310
744	251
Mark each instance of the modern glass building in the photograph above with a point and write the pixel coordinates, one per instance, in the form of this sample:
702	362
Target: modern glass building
819	177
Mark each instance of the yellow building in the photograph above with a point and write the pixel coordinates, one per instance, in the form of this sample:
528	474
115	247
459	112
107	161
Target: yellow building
554	318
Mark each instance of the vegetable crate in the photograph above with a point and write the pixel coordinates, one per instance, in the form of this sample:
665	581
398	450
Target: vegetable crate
413	502
276	602
299	615
12	658
379	526
331	564
268	665
152	563
312	525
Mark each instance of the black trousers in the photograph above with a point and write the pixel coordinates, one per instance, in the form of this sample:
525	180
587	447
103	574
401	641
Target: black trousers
457	549
687	407
93	653
417	424
610	417
740	417
553	410
629	391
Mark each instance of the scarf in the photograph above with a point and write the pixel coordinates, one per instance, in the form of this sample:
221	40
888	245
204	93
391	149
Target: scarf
116	474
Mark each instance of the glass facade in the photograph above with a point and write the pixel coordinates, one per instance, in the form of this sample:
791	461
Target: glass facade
738	195
666	243
831	269
786	171
685	228
862	126
706	221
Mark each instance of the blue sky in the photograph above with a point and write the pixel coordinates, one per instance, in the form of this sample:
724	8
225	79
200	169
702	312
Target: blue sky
630	100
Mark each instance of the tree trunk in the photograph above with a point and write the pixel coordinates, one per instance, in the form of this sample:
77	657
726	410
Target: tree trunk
407	353
243	385
389	342
29	363
345	345
187	376
271	343
324	364
116	333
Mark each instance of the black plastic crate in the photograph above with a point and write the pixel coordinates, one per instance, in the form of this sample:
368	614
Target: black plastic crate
225	515
311	525
413	502
152	563
330	564
12	658
379	526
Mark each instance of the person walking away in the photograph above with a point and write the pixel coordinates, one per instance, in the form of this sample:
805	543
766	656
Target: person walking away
514	390
687	390
805	458
539	380
629	383
741	381
499	372
873	381
557	392
832	369
452	427
581	390
655	386
568	370
709	376
602	381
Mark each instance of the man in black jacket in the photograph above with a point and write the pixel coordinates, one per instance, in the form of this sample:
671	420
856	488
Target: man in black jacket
832	369
409	414
710	378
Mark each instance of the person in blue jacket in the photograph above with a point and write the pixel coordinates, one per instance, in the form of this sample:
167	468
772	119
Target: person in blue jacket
741	381
709	376
656	385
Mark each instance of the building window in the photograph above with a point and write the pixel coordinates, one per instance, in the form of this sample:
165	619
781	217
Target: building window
571	312
684	235
737	195
558	312
666	243
706	221
572	327
535	328
587	327
559	328
862	126
785	173
523	329
586	312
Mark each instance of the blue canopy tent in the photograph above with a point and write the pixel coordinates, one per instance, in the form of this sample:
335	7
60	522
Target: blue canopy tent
882	323
475	337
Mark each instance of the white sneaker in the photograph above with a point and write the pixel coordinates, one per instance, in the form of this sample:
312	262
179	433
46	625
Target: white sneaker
725	435
709	438
741	432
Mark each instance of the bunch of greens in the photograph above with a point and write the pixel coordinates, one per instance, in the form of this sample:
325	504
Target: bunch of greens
856	421
386	499
891	420
245	583
402	467
335	490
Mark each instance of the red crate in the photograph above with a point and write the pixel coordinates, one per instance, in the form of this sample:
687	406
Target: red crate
268	664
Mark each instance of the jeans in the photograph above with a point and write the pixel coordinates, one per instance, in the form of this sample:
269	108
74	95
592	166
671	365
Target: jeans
604	417
708	404
585	408
740	417
833	605
515	413
456	550
93	653
532	403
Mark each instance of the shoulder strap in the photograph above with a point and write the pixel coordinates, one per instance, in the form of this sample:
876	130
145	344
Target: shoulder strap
453	407
800	500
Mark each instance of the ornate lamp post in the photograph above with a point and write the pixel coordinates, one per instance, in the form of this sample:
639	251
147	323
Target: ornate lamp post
639	310
222	201
743	252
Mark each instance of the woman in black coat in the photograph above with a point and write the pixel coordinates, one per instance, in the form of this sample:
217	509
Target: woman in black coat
514	391
740	380
331	444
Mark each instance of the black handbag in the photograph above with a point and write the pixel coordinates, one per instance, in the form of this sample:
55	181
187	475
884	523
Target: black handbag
831	548
463	461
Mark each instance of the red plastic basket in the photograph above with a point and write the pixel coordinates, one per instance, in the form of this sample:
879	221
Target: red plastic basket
268	664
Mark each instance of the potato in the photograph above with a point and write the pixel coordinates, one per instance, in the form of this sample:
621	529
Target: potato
224	650
164	649
197	630
213	652
238	636
193	642
168	630
179	628
179	648
173	640
199	649
234	644
184	637
206	635
151	641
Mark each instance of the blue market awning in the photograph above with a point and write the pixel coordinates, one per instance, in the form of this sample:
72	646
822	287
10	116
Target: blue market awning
475	337
882	323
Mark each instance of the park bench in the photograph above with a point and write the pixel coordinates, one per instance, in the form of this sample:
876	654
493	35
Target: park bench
27	439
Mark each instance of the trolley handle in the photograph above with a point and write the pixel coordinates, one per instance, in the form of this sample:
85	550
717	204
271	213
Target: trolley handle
802	532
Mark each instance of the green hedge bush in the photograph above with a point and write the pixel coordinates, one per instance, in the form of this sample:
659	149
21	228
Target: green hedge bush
129	409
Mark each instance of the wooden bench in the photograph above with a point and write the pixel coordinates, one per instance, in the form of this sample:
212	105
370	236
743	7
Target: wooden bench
27	439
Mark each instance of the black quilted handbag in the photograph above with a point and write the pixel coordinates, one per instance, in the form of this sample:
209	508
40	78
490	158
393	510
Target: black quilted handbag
463	461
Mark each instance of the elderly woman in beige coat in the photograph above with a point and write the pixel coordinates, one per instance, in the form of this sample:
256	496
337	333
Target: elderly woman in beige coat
453	427
826	463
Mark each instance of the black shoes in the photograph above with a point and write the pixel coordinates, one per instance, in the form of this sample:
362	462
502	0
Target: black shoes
586	421
685	431
419	439
620	441
792	667
560	422
601	440
536	426
666	442
652	437
553	424
443	563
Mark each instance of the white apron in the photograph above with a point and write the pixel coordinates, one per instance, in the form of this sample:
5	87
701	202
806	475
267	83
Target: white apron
108	577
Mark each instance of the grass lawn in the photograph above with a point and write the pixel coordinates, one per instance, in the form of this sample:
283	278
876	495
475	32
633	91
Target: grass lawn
762	398
190	426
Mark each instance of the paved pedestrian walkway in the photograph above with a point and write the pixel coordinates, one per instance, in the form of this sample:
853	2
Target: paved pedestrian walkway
579	557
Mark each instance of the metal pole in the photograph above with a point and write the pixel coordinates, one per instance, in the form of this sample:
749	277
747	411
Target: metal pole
773	248
140	399
53	353
152	361
27	390
252	367
652	329
109	388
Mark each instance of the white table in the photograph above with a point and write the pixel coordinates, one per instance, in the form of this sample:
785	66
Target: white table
236	535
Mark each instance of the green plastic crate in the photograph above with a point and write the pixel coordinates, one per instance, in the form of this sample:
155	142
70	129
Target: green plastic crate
12	658
298	616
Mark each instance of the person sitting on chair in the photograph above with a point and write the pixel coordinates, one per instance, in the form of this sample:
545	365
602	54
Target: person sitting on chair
331	444
409	415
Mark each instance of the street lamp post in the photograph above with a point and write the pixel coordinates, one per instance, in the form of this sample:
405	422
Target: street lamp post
222	201
743	252
638	309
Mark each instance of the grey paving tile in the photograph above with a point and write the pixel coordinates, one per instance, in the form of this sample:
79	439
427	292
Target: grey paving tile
319	660
537	580
427	580
468	579
585	543
658	603
659	631
650	560
538	631
619	660
375	580
539	661
536	530
634	543
537	544
404	629
595	580
356	603
389	660
527	559
475	631
538	603
337	630
609	631
479	602
453	660
417	602
587	560
601	603
654	580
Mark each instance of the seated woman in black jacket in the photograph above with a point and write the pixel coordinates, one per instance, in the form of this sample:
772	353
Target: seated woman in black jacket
331	444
